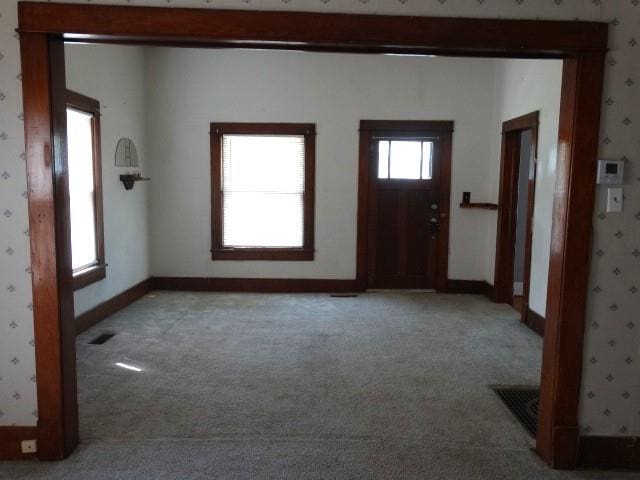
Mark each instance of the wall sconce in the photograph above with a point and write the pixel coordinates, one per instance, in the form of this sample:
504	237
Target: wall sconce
130	179
127	156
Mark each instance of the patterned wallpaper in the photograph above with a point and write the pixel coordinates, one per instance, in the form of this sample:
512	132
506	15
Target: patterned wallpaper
611	385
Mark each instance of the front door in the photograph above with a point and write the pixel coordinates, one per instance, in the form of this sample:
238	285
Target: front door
404	210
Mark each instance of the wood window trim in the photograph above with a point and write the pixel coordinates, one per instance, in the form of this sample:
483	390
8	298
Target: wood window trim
218	250
96	271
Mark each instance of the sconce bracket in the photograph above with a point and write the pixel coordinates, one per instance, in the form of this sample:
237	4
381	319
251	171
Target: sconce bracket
130	179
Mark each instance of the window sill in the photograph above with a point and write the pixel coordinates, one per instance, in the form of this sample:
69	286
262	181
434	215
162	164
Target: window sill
88	276
281	254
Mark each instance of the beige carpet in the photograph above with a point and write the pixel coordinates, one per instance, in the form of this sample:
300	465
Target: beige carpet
385	385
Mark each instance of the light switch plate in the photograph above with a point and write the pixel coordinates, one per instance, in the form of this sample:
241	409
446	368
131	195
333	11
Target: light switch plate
614	200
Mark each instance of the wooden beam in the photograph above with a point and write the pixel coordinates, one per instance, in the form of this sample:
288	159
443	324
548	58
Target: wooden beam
315	31
558	435
45	144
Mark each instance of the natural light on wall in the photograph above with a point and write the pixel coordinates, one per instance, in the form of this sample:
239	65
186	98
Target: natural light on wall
81	189
263	191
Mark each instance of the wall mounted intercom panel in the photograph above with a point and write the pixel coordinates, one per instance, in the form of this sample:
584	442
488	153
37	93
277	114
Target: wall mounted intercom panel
610	172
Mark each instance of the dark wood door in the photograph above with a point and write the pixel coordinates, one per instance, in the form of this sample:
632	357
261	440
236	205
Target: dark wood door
404	212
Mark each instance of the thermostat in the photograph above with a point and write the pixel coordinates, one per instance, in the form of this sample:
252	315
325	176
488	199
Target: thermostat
610	172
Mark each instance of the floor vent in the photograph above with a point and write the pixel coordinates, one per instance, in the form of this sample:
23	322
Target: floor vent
344	295
102	338
523	403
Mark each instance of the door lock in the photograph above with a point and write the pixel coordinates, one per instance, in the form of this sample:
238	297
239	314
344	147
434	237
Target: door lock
433	225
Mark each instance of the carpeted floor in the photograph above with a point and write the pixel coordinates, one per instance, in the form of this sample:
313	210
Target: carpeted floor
248	386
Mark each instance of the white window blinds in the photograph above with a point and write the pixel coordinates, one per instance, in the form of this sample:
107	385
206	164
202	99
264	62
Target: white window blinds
263	191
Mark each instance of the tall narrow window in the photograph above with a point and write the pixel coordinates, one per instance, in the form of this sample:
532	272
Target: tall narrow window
85	189
262	191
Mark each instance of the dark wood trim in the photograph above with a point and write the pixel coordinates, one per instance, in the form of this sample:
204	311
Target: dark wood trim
218	250
316	31
252	128
481	206
582	45
43	87
476	287
562	355
609	453
10	442
523	122
402	126
446	148
528	243
97	271
364	151
508	206
89	275
263	285
443	129
48	427
534	321
284	254
109	307
83	103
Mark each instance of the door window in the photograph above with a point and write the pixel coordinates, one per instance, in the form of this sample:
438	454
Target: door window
405	159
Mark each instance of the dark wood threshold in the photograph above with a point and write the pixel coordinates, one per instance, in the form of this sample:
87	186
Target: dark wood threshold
609	453
265	285
10	442
534	321
478	287
88	276
111	306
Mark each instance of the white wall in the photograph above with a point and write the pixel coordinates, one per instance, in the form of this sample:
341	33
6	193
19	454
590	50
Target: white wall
169	117
521	87
114	75
335	92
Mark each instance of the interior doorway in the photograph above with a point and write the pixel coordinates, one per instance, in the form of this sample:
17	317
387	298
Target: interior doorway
518	164
581	45
407	173
522	254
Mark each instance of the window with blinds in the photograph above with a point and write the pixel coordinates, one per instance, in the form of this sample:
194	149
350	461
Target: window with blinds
84	250
85	189
263	200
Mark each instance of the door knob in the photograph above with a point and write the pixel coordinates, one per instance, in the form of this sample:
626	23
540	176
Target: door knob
434	206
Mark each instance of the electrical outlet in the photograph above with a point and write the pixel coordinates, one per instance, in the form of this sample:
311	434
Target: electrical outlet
29	446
